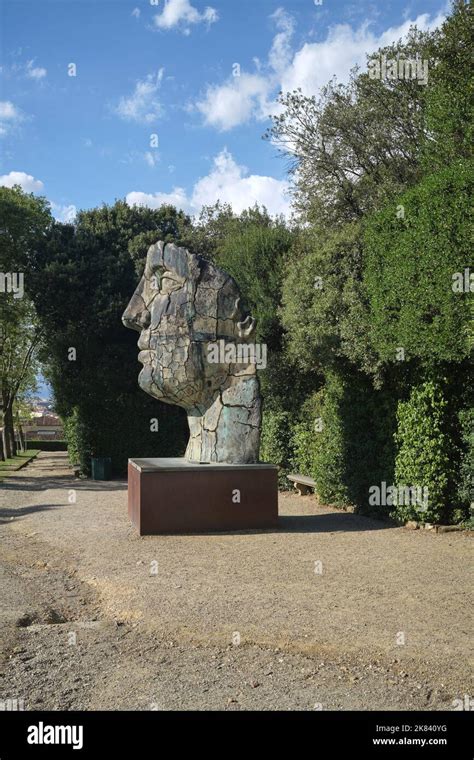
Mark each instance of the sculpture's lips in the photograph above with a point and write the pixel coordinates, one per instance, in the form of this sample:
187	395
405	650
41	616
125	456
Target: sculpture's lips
144	340
144	357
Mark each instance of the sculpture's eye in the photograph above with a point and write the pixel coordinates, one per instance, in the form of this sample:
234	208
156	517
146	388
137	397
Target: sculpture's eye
163	281
170	283
153	273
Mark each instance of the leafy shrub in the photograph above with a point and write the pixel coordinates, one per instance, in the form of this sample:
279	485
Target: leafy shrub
466	469
304	447
424	458
72	431
276	443
355	448
329	464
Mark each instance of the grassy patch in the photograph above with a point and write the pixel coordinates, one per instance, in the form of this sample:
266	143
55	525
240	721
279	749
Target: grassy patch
17	462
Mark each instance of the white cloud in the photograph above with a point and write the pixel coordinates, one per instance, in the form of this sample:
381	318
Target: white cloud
281	52
228	182
181	14
248	96
176	198
35	72
28	183
143	104
8	112
231	183
252	96
315	63
9	116
63	213
235	102
31	185
136	12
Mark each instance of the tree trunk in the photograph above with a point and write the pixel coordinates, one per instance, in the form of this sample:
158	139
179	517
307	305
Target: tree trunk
21	437
13	440
6	442
7	452
8	431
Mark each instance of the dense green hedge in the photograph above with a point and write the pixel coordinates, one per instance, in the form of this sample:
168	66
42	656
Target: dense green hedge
304	443
424	459
108	432
276	443
414	248
47	445
329	461
355	448
343	437
466	469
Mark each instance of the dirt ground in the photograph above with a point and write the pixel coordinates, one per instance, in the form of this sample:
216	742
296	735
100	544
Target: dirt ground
330	611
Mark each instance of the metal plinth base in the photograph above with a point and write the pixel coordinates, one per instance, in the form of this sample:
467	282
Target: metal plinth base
177	496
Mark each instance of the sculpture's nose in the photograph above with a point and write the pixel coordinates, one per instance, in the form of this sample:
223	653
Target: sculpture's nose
136	316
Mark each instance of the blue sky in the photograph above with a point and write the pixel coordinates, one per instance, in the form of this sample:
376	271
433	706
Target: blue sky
167	69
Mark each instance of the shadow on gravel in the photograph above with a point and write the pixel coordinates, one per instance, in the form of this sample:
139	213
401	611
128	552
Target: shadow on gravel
6	514
326	523
40	483
330	523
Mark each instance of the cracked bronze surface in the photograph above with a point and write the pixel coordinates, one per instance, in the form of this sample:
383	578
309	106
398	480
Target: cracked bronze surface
181	305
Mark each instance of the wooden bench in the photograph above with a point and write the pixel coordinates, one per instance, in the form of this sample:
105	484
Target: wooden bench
302	483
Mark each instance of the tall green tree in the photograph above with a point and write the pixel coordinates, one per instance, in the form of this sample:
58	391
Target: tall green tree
450	94
352	147
25	221
19	343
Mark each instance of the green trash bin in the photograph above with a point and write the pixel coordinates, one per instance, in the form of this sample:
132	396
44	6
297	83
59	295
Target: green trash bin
101	468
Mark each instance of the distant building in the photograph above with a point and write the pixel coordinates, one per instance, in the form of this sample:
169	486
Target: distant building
43	405
44	424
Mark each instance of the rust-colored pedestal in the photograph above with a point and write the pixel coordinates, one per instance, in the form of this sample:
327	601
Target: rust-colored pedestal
177	496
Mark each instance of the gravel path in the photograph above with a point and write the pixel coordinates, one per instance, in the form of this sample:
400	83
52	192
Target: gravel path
330	611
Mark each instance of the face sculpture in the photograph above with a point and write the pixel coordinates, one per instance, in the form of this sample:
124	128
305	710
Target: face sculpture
184	306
